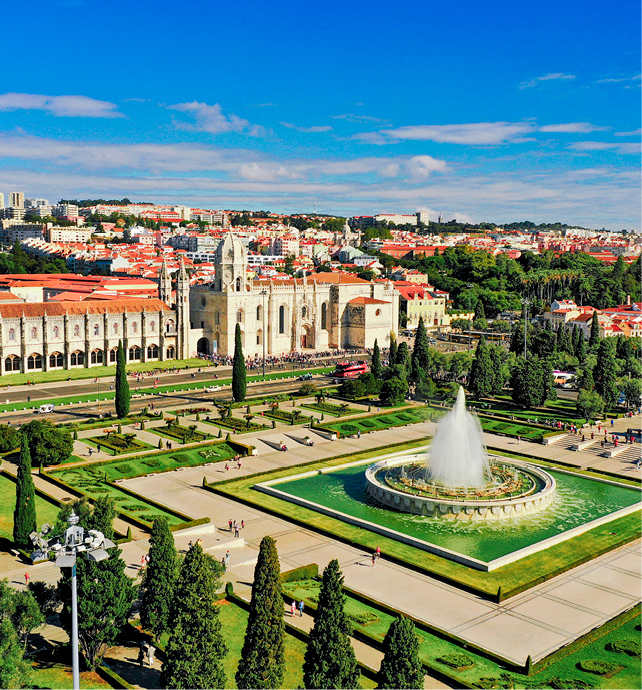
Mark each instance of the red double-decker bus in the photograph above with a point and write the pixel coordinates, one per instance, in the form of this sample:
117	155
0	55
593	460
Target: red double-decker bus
350	370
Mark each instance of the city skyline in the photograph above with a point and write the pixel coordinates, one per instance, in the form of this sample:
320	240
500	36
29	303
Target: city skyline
482	114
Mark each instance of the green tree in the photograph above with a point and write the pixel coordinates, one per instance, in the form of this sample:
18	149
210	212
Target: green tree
594	338
632	389
392	353
580	349
330	661
9	438
482	377
497	365
376	360
393	391
15	672
351	389
403	356
528	382
401	666
160	579
239	374
262	663
105	591
196	648
26	615
589	404
420	351
123	396
605	372
24	515
48	444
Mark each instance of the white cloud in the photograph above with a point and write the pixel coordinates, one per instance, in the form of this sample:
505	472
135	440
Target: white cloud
349	117
547	77
316	128
262	105
573	128
634	133
210	118
619	79
478	133
60	106
605	146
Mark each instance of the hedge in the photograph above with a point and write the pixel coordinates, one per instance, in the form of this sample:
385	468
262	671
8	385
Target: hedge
304	572
116	681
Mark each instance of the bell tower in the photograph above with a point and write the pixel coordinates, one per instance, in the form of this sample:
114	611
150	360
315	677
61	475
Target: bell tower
165	284
182	311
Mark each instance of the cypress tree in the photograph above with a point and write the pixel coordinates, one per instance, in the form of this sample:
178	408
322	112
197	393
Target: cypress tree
376	361
195	650
123	395
420	351
497	369
262	663
594	338
605	372
403	356
392	355
481	382
580	350
239	374
401	666
160	579
330	661
24	516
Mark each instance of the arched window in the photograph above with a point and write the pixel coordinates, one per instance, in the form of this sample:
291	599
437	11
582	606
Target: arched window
239	316
55	360
238	285
171	352
152	352
56	332
259	337
12	363
34	362
113	354
114	329
96	329
34	334
304	312
97	357
259	313
12	334
134	327
134	354
170	326
281	319
152	326
324	315
76	331
77	359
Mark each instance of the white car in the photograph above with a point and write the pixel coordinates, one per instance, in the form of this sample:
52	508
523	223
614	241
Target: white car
213	389
44	409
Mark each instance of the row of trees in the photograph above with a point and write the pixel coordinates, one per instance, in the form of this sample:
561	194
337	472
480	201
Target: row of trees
179	599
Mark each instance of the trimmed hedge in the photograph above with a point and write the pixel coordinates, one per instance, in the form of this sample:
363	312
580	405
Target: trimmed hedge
116	681
304	572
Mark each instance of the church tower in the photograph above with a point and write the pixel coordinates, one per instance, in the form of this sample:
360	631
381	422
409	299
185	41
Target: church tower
165	284
182	312
230	265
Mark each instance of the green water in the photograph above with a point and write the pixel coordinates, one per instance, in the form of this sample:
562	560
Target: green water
578	500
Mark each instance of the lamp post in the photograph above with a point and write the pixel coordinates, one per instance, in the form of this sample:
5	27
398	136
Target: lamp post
526	302
263	293
66	549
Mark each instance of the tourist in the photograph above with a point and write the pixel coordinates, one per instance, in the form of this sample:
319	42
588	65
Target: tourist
238	464
141	655
612	422
378	551
374	558
293	608
143	562
237	532
242	524
189	546
150	654
229	525
91	450
592	435
519	440
27	578
301	606
227	558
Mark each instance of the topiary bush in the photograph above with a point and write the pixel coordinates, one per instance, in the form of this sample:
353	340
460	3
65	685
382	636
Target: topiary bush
630	647
181	457
124	469
349	429
456	660
364	618
598	667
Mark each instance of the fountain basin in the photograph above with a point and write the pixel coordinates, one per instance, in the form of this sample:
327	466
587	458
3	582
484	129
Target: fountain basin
486	509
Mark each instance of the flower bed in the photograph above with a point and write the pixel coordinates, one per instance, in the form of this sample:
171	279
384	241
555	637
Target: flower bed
291	417
238	425
329	408
181	433
117	443
193	410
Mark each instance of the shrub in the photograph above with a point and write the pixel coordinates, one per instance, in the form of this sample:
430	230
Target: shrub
364	618
132	507
304	572
349	429
456	660
598	667
152	462
570	683
367	423
124	469
307	389
180	458
630	647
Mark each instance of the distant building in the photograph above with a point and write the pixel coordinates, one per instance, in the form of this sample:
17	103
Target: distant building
18	232
397	218
67	234
16	199
35	203
418	301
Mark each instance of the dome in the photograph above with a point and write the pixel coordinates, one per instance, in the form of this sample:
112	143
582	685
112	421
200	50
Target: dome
230	250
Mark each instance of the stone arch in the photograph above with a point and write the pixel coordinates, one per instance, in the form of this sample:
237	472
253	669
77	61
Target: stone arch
56	360
203	346
12	363
306	337
34	361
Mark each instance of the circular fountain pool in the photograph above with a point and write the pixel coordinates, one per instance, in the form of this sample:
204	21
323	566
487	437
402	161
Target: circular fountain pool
513	489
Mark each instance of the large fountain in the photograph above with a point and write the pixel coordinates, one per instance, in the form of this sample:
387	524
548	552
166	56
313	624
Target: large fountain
459	480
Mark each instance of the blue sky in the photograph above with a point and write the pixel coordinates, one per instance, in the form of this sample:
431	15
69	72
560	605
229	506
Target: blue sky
492	111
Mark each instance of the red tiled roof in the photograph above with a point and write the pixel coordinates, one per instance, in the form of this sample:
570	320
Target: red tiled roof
367	300
14	311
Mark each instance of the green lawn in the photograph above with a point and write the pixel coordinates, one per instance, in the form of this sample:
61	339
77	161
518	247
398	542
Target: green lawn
377	422
514	429
54	675
512	578
375	622
180	434
110	444
90	479
332	409
45	510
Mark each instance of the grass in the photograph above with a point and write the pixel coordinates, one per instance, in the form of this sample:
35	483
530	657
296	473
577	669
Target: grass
54	675
176	432
46	511
235	424
375	622
116	444
330	408
504	428
381	421
512	578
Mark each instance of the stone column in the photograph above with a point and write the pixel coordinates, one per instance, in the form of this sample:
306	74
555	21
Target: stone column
143	336
23	345
86	325
106	339
65	335
45	343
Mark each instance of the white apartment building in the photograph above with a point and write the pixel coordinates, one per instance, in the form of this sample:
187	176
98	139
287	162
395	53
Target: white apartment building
1	200
36	203
397	218
17	199
56	235
285	246
68	210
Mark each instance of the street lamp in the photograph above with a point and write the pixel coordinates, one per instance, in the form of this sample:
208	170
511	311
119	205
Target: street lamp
526	302
66	549
263	293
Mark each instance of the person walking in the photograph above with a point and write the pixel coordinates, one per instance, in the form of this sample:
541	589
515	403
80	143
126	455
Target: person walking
374	558
27	578
150	654
141	655
229	525
293	608
242	524
301	606
519	440
378	551
227	558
